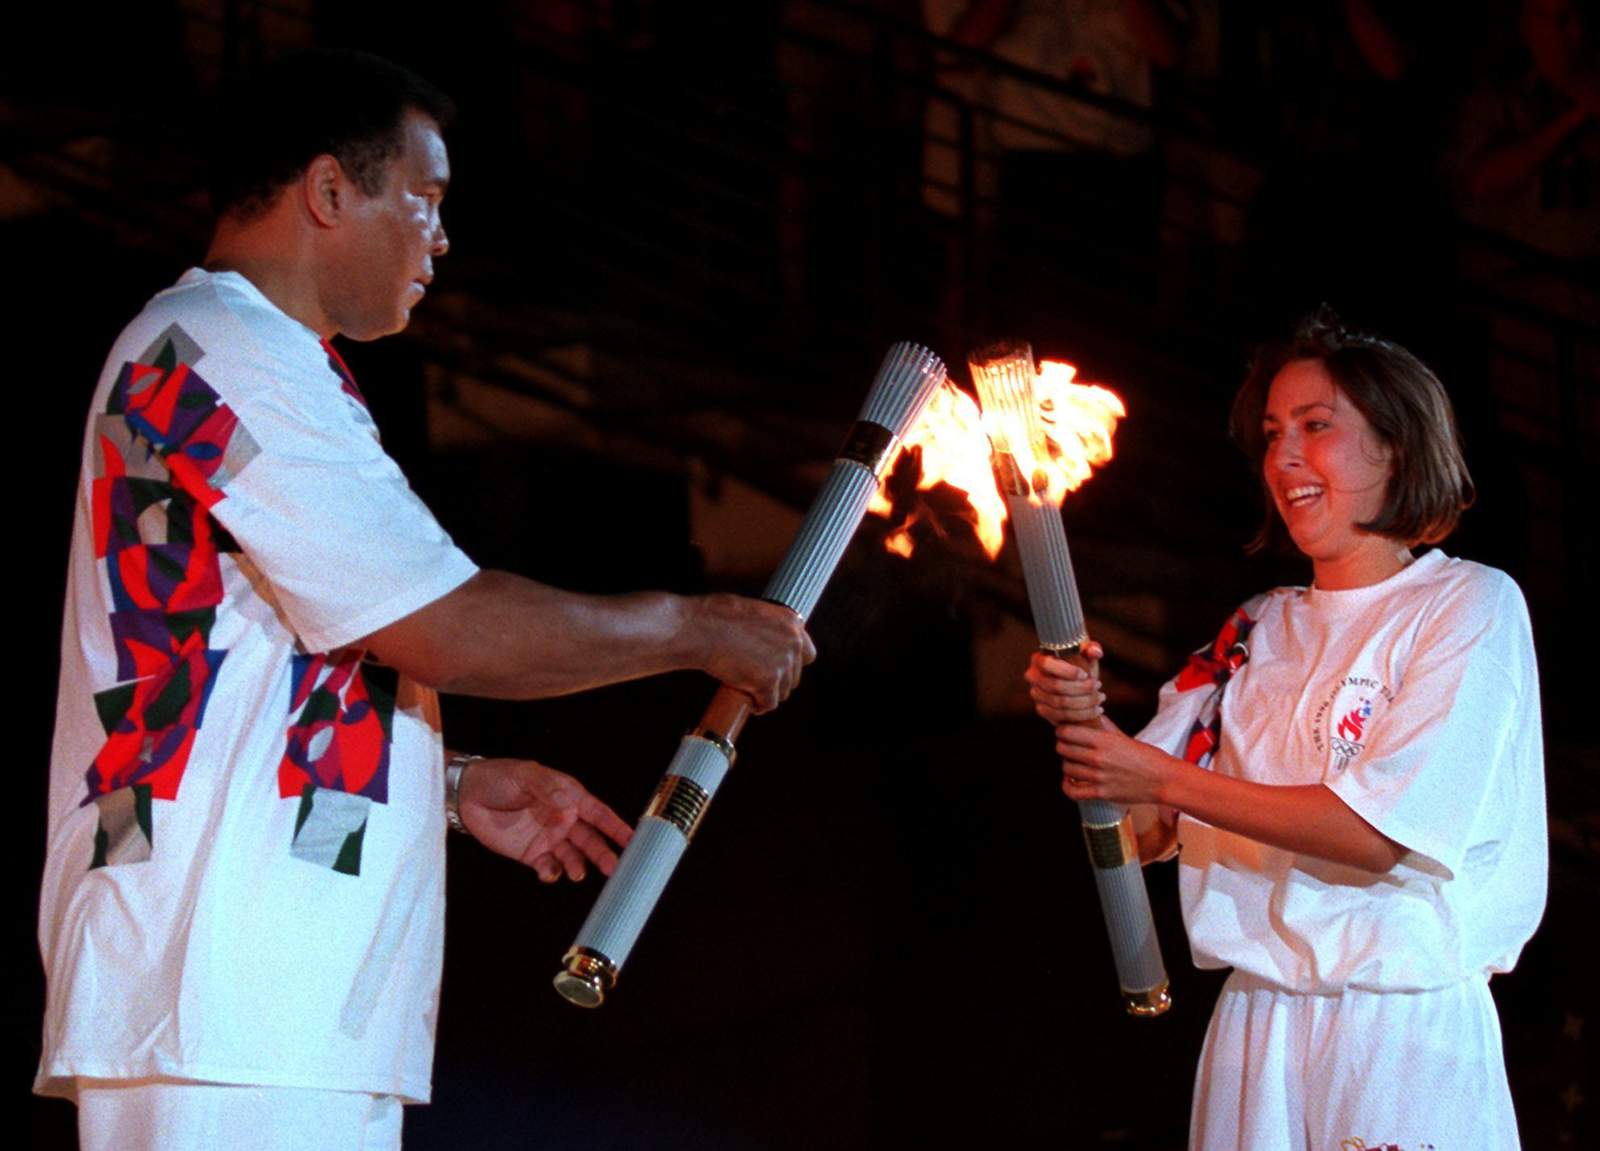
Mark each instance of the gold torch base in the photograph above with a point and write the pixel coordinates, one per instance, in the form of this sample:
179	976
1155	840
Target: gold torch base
586	977
1146	1004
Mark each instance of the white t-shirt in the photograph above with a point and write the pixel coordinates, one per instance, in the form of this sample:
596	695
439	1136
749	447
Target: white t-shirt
1416	700
245	872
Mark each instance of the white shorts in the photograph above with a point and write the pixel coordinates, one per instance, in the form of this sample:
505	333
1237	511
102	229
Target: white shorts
1361	1071
178	1114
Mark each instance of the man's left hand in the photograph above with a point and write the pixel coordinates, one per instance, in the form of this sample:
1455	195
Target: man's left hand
541	817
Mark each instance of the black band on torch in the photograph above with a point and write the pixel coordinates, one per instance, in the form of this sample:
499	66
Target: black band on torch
869	444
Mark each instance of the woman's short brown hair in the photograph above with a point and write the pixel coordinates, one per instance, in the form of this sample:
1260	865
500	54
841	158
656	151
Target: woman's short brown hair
1404	403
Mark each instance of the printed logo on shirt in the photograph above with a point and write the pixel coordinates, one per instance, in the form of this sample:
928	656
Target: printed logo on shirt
1342	722
1355	1143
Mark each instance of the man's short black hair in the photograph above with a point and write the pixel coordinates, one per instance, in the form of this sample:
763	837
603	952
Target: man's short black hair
347	104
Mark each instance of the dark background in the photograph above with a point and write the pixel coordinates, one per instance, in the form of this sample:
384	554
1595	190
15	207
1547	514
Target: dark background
682	236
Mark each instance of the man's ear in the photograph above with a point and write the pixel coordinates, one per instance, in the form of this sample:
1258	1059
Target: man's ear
322	186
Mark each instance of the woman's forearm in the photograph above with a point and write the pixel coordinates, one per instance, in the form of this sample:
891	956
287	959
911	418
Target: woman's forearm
1309	819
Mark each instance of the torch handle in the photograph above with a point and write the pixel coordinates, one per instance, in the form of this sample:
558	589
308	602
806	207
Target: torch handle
1107	829
1125	903
590	966
904	384
1124	900
725	715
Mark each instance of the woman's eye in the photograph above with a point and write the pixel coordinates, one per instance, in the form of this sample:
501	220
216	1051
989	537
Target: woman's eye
1270	435
1316	425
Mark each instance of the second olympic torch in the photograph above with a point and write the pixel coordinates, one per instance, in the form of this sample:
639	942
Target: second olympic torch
1005	376
904	383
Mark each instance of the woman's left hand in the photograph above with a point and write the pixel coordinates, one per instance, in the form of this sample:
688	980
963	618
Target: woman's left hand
1099	762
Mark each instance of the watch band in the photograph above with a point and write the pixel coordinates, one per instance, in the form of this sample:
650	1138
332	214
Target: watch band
453	772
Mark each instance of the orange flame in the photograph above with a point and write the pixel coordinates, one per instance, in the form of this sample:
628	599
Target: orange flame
954	451
1077	422
1074	425
899	541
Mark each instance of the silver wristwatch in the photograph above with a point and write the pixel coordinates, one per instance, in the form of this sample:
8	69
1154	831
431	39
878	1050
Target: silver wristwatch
452	790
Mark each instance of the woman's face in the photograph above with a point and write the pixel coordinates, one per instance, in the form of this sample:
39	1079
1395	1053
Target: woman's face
1327	472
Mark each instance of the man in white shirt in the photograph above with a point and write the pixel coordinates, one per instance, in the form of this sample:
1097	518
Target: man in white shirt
242	908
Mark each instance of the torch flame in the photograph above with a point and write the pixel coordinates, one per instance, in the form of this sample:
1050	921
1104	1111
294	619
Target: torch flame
899	541
1056	447
953	450
1077	421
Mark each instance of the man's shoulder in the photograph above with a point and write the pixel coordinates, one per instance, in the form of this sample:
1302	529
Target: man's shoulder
220	314
220	328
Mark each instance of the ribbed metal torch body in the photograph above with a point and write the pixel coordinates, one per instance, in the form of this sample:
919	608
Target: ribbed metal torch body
903	386
1107	827
1004	374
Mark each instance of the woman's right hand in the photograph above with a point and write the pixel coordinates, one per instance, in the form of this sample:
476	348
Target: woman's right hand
1064	692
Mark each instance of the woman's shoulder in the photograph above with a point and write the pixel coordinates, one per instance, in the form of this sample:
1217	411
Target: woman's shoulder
1468	586
1476	607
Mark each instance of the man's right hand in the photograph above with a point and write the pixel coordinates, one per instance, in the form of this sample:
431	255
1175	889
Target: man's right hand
503	636
753	646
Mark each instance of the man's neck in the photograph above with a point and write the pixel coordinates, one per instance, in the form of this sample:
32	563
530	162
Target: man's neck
276	264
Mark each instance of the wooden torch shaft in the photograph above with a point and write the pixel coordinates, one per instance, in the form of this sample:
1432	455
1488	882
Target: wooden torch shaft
726	714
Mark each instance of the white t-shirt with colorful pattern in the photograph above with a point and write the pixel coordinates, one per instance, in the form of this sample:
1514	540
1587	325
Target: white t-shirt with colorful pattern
245	872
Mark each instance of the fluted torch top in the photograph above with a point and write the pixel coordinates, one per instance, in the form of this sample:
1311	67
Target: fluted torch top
1048	431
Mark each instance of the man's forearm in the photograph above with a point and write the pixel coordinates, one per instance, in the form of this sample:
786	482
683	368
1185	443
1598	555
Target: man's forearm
506	637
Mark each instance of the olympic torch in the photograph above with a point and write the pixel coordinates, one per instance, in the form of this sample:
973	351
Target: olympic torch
1028	470
908	377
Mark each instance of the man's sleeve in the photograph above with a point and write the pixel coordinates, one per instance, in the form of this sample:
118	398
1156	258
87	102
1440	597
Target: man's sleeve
330	522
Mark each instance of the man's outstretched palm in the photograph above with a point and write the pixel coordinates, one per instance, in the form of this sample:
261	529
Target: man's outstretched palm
541	817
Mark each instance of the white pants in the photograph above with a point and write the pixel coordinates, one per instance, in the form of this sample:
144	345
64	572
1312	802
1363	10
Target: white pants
1361	1071
178	1114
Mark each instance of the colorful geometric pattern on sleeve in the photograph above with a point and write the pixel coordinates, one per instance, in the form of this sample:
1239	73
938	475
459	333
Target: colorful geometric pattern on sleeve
337	759
165	448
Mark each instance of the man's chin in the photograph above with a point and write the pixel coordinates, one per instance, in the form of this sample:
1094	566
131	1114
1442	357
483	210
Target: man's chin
367	334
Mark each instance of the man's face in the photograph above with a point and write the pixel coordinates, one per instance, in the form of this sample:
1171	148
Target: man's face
385	256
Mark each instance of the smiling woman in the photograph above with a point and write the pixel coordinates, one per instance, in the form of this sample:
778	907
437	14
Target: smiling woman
1353	772
1328	473
1406	427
